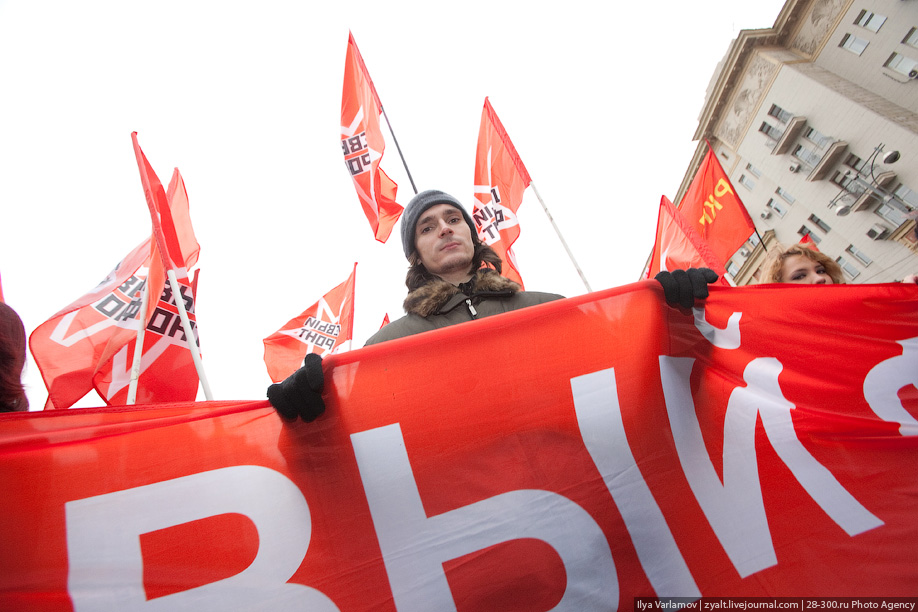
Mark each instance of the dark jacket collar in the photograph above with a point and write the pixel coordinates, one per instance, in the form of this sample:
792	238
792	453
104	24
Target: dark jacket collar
440	296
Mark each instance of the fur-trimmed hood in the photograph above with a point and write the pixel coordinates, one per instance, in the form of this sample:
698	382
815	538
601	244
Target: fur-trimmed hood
437	295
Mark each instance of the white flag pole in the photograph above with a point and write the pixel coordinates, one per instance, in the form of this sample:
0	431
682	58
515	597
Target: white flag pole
557	231
189	336
138	347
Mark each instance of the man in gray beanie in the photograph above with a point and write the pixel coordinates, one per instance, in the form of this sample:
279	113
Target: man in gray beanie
453	278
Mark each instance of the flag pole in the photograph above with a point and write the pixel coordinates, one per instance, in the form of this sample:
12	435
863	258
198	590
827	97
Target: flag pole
138	345
557	231
189	337
398	148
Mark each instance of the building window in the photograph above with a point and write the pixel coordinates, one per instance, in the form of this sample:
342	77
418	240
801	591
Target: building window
818	139
808	156
746	182
732	269
771	131
777	207
901	63
907	195
850	270
820	223
892	213
911	38
754	240
853	44
853	161
870	20
859	255
754	171
780	114
804	231
784	195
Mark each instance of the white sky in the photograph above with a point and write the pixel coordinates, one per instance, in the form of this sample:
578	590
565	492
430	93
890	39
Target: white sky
245	99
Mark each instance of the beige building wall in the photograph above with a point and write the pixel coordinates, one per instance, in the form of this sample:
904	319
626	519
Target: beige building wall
795	112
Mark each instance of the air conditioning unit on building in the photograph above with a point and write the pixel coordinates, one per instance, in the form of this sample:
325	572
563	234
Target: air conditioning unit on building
766	214
744	252
877	231
794	168
913	73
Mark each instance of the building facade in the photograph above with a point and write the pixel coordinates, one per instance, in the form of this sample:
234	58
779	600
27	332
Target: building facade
815	121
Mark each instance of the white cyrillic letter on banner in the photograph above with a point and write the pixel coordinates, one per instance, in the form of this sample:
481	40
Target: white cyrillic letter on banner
882	384
106	564
415	546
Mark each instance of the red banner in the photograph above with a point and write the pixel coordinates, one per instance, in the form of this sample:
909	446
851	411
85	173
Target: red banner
715	210
363	145
678	245
500	180
635	451
322	328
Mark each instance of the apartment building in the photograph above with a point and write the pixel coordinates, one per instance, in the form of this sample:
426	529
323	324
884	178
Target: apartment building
815	121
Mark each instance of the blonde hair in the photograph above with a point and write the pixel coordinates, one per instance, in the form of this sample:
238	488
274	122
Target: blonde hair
778	254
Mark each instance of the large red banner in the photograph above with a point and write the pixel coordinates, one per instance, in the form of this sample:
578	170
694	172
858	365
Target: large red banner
766	444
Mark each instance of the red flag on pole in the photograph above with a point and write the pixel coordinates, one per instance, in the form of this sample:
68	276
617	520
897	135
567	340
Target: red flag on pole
808	242
70	347
321	328
678	245
715	210
500	180
363	145
385	321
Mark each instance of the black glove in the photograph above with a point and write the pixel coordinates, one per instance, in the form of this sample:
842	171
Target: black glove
300	394
683	287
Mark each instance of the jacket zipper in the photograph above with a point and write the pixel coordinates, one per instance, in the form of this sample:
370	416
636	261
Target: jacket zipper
472	311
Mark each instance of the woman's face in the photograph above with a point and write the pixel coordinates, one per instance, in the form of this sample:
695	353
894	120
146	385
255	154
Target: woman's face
804	271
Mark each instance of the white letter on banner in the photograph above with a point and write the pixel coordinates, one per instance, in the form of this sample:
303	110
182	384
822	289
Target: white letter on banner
106	564
415	546
735	509
727	338
600	419
882	384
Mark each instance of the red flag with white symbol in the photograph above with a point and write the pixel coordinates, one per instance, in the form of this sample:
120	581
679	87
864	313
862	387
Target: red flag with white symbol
363	145
322	328
715	211
678	245
500	180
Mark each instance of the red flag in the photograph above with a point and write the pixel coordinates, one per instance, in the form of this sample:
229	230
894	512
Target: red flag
808	242
385	321
171	221
500	179
71	346
678	245
715	210
363	145
321	328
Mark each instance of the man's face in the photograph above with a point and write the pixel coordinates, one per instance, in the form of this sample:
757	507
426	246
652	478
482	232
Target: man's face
444	241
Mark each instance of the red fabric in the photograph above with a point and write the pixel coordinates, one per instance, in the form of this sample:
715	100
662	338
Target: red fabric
807	241
321	328
90	343
500	180
71	346
650	460
171	221
363	145
715	210
385	321
678	245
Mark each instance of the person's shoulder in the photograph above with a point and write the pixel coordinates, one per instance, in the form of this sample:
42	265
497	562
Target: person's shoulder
531	298
405	326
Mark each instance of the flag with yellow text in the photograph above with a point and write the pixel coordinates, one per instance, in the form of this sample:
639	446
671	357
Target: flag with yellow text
715	211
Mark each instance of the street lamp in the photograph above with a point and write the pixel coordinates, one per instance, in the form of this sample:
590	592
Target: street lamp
859	182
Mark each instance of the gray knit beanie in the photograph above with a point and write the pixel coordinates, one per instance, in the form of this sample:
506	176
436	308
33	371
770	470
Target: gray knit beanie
418	205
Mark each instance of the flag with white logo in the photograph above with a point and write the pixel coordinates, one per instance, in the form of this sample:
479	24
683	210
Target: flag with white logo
322	328
500	180
363	145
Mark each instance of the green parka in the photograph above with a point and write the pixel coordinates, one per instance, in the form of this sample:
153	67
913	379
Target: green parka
441	304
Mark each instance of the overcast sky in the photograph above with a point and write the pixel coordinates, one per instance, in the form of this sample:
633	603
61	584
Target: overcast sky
601	101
